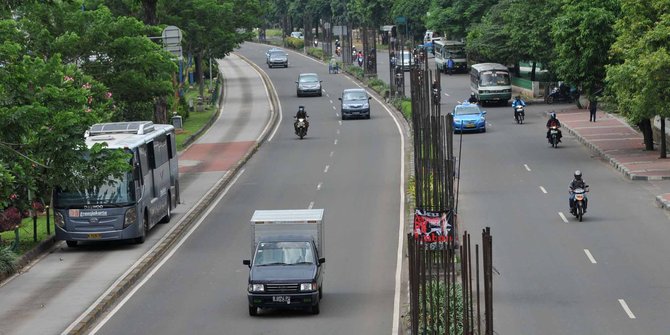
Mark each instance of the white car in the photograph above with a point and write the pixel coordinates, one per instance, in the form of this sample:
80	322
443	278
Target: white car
297	34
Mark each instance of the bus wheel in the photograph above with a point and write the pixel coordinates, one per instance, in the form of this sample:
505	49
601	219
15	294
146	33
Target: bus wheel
145	230
168	215
71	244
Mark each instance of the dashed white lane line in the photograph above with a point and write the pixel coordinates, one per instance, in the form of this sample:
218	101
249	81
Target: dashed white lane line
334	108
331	101
335	142
311	205
318	187
340	121
338	132
562	217
326	169
543	190
447	94
527	167
332	153
588	254
624	305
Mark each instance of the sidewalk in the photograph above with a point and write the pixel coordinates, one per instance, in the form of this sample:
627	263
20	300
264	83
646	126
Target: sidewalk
619	143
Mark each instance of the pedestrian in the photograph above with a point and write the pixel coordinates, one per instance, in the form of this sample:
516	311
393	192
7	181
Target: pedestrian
593	106
450	65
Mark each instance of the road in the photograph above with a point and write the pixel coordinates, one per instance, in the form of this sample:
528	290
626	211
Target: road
351	168
605	275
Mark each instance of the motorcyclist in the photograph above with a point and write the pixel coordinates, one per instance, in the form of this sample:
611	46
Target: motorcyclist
577	182
436	91
473	98
301	114
553	122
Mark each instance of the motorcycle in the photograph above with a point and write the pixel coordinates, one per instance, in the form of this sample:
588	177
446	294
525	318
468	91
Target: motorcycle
338	51
561	95
579	202
553	136
519	114
301	127
436	96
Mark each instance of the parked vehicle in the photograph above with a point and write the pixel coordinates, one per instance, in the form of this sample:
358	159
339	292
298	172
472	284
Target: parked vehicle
554	136
469	117
562	94
287	264
123	208
355	102
579	209
297	34
519	114
308	84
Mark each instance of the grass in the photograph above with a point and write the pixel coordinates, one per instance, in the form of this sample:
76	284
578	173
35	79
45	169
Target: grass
26	242
195	121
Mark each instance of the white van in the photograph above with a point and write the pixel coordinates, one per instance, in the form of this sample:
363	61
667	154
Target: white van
428	36
297	34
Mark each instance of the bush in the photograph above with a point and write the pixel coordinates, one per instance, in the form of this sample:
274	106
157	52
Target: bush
404	105
295	43
356	71
317	53
378	85
7	260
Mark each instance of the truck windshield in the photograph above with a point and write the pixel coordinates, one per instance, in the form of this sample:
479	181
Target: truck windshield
284	253
117	192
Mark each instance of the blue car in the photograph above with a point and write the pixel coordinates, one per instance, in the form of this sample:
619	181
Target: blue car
469	117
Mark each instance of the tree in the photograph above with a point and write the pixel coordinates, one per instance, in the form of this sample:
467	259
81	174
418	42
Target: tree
454	18
487	40
45	108
415	13
583	33
638	79
212	28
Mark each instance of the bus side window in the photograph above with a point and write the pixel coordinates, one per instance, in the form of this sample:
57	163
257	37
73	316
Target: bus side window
144	159
151	155
172	150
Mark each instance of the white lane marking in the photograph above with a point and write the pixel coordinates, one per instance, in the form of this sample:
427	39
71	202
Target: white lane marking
332	153
338	132
340	121
311	205
563	217
166	257
588	254
527	167
624	305
543	190
318	187
447	94
331	101
326	169
335	142
334	108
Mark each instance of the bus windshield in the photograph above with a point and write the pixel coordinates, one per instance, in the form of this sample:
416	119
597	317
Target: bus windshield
114	193
494	78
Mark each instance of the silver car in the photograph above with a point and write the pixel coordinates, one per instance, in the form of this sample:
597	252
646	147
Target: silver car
277	58
309	84
355	103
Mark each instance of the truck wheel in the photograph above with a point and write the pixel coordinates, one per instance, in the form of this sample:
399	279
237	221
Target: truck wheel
315	309
253	311
71	244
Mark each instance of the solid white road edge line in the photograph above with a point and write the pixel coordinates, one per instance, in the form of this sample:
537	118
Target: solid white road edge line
625	308
588	254
166	257
543	190
563	217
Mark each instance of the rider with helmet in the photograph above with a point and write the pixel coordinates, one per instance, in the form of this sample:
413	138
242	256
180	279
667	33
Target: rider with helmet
473	98
301	114
577	182
553	122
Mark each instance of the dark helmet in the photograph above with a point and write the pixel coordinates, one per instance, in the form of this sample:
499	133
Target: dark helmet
518	97
578	175
301	108
552	115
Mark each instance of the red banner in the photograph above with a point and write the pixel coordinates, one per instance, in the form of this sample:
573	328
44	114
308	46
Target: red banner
431	226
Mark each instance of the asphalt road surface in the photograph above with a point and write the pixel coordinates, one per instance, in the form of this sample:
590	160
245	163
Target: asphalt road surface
350	168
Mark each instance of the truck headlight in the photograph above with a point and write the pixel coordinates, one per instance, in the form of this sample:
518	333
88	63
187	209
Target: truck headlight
256	288
130	217
59	220
308	287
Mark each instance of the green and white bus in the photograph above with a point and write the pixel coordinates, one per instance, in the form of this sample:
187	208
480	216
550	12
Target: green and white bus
490	82
125	208
454	49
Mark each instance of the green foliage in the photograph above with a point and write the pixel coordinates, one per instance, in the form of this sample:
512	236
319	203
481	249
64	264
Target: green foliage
583	33
404	105
317	53
378	85
7	260
295	43
436	295
638	80
455	17
415	13
356	71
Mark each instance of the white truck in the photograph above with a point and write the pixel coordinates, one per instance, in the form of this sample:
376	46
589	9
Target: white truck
287	265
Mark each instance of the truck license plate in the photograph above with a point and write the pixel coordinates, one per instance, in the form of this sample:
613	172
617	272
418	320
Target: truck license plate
94	236
282	299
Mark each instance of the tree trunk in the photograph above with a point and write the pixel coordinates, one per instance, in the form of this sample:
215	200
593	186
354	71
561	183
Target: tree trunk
149	7
532	72
198	75
663	147
645	128
160	111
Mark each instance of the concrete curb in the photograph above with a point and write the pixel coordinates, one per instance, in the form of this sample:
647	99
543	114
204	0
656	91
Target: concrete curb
662	202
156	253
